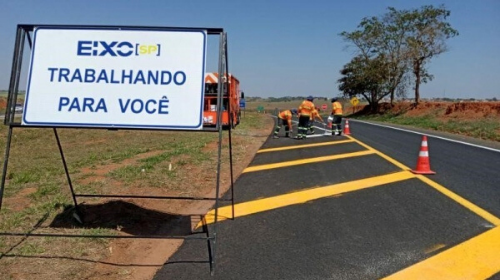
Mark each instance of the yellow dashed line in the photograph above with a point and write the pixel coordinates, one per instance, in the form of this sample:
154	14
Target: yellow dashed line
304	161
266	204
303	146
477	258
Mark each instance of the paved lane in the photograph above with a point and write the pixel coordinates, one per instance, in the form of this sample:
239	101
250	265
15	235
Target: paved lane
335	208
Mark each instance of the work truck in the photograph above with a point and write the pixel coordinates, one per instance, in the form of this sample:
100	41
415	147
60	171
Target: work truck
231	97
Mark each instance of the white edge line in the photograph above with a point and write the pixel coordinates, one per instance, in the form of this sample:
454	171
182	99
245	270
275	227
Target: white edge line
430	135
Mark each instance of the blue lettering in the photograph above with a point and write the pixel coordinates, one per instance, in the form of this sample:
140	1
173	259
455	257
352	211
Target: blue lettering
113	81
151	101
108	48
122	107
52	73
89	75
163	105
101	106
77	76
84	48
133	108
63	73
127	44
139	77
127	76
153	76
63	101
163	73
176	81
87	103
74	105
102	76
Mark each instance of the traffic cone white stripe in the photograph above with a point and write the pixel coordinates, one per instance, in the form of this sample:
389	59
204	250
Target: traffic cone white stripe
423	154
424	143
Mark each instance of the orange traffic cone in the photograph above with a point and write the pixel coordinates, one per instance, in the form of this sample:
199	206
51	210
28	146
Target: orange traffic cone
347	131
423	164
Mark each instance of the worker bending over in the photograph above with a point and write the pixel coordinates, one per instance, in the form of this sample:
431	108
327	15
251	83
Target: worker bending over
285	117
314	115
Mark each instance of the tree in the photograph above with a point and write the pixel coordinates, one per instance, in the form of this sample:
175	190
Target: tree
364	76
383	38
406	41
426	39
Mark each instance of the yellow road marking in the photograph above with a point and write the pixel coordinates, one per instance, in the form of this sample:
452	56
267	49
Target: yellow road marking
462	201
303	146
434	248
476	258
304	161
299	197
391	160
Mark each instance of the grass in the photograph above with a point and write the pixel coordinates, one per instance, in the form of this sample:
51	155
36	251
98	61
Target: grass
486	128
99	161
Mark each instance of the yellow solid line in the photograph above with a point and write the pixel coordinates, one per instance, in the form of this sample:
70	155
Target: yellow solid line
303	146
266	204
391	160
304	161
462	201
477	258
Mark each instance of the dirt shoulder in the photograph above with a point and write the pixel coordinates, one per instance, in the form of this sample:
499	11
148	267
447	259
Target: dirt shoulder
148	167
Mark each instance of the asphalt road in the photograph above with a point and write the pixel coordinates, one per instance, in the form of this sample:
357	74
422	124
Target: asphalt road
348	208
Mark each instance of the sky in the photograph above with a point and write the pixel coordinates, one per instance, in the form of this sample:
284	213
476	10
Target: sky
284	48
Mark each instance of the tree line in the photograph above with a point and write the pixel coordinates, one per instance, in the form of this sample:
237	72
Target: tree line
392	53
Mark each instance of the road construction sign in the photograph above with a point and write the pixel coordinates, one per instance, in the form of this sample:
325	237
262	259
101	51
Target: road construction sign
354	101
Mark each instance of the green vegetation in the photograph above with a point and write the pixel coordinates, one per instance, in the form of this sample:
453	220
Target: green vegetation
486	128
394	51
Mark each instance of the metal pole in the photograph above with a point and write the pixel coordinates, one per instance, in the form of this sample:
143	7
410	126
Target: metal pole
18	76
230	144
5	162
13	77
67	172
219	123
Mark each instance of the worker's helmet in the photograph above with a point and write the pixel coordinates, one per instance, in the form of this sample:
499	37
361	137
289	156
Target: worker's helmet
310	98
334	99
294	111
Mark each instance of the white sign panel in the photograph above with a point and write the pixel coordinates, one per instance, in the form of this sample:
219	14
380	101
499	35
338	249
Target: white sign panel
116	78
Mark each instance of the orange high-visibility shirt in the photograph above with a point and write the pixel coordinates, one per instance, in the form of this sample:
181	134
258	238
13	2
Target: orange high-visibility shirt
286	115
337	108
306	108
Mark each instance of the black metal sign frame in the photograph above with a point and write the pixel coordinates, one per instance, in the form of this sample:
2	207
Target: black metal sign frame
22	34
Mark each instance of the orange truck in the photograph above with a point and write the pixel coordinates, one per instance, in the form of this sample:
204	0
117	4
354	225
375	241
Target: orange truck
231	97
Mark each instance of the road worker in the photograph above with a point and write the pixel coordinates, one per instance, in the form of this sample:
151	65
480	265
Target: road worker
305	116
285	117
337	117
314	115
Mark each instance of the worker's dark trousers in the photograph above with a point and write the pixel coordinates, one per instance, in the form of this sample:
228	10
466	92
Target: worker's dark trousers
303	125
311	126
278	127
337	125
